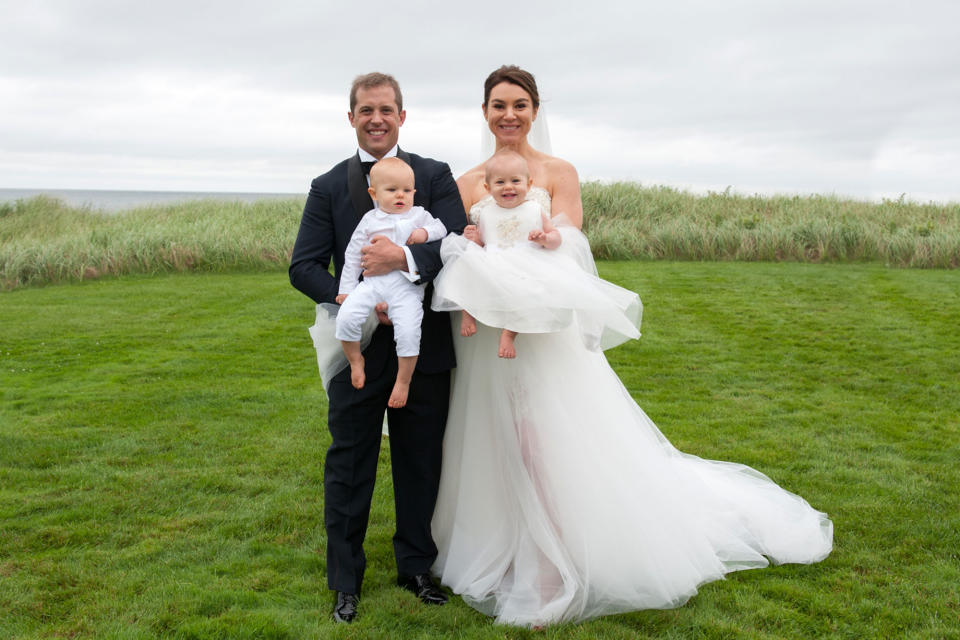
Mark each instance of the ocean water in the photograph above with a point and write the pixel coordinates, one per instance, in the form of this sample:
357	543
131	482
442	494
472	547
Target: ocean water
114	201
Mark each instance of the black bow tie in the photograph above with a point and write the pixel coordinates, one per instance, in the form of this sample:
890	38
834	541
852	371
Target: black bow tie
366	167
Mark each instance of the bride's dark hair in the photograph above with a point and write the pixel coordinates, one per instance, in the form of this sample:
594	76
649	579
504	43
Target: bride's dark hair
514	75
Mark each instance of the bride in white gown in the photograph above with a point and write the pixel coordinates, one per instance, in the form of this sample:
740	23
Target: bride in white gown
559	498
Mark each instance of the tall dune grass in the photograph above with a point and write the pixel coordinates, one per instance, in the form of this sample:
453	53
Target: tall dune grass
627	221
43	240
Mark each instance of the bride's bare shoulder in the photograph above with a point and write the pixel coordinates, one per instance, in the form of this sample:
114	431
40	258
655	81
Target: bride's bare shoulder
556	175
473	176
470	185
559	167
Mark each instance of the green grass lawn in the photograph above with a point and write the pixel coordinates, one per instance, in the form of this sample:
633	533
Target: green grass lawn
162	439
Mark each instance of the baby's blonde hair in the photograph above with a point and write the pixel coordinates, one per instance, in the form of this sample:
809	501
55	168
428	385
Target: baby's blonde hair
499	159
387	165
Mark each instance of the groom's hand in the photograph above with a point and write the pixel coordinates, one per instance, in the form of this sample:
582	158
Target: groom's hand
382	316
382	256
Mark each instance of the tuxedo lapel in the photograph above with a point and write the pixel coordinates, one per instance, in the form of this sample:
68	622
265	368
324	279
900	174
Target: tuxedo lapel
357	183
420	197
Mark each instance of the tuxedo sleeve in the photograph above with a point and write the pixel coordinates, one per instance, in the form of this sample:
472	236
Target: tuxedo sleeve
446	206
310	260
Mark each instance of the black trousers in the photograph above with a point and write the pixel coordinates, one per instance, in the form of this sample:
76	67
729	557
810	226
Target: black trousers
416	444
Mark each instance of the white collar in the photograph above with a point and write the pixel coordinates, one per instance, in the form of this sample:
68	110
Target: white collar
381	214
366	157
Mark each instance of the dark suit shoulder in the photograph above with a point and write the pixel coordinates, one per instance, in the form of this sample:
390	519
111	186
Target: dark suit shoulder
429	165
333	179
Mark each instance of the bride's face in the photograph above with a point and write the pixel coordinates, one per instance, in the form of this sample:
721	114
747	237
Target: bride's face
509	113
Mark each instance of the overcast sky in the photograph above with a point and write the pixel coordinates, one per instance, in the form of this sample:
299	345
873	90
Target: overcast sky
814	96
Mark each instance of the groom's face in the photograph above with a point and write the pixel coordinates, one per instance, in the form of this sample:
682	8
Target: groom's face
377	119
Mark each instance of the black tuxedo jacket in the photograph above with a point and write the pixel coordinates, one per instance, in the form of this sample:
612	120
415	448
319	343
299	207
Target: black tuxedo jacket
337	201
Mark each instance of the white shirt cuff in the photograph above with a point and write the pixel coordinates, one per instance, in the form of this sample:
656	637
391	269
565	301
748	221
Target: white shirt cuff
412	273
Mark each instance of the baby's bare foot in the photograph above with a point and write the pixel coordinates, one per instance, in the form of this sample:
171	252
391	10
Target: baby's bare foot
398	397
468	326
507	349
357	376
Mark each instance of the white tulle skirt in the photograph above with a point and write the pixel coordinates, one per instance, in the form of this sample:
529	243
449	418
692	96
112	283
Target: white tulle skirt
529	289
561	500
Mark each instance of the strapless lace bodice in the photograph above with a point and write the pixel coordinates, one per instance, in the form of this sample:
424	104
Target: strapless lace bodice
537	194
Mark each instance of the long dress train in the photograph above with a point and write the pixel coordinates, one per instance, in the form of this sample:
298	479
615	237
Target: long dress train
561	500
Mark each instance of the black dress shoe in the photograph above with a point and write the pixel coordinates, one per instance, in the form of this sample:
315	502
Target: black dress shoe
345	609
423	586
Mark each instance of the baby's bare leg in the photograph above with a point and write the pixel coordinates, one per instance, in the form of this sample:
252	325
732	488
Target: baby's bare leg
468	325
405	367
355	358
507	349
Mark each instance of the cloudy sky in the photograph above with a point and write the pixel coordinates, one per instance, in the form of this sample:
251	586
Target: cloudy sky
843	97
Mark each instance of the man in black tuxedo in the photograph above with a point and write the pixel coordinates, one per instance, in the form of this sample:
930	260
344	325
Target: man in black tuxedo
337	201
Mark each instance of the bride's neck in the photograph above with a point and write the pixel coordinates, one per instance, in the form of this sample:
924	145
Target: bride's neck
523	147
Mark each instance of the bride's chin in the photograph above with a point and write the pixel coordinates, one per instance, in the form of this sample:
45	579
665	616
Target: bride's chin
510	139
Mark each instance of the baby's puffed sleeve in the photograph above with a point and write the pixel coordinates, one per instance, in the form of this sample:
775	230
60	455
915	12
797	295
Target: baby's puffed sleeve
435	229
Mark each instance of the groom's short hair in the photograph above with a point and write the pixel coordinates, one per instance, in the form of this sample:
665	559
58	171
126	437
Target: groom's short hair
371	80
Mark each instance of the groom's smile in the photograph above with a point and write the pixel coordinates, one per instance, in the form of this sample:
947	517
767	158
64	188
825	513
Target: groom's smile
377	120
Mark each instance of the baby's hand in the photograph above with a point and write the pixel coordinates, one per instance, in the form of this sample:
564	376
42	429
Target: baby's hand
548	237
471	233
340	298
419	236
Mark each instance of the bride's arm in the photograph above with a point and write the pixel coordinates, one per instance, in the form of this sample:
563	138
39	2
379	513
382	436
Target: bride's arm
468	184
565	191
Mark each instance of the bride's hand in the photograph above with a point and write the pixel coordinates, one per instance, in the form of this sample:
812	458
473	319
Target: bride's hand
382	316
